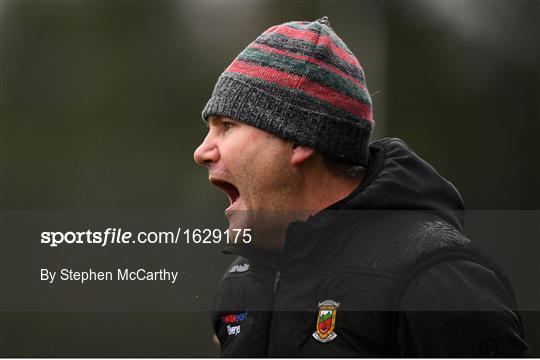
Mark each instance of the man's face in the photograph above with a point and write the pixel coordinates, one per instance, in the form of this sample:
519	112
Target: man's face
251	165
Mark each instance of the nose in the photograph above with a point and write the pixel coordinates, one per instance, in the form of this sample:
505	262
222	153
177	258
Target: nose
207	152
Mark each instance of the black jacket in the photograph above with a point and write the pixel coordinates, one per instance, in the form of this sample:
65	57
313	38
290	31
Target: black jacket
398	278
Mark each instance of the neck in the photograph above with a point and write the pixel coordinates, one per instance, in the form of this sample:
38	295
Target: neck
314	191
316	195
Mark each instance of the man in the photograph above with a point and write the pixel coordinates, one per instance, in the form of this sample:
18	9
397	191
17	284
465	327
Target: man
357	250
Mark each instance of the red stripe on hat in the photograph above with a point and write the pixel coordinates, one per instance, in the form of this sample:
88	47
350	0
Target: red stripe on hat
270	29
316	39
310	88
311	60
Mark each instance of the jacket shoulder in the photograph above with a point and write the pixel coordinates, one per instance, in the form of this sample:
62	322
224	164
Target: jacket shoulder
410	239
239	265
398	241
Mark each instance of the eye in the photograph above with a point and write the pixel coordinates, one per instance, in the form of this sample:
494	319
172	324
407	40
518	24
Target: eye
227	125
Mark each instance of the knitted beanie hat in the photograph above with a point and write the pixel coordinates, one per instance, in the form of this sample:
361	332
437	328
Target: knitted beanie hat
299	81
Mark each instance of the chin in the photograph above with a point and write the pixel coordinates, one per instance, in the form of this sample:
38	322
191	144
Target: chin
238	219
266	227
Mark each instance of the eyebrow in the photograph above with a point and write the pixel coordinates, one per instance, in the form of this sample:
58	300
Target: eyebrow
213	118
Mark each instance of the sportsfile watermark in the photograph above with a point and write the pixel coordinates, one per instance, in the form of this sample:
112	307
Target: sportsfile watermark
119	236
60	260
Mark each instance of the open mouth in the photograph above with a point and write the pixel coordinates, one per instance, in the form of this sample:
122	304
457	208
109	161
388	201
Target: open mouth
232	192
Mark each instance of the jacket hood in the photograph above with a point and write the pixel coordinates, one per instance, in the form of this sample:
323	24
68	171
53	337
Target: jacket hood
398	179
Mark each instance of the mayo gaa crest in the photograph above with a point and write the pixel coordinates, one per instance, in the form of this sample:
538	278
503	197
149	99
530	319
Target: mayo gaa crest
326	321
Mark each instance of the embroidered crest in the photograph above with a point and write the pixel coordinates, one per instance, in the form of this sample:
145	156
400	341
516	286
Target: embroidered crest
326	321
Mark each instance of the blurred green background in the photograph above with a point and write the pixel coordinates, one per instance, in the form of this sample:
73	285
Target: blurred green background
100	107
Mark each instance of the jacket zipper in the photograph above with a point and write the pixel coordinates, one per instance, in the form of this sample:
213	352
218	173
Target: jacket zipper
278	275
277	278
272	330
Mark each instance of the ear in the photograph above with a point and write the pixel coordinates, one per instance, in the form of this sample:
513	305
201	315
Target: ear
300	154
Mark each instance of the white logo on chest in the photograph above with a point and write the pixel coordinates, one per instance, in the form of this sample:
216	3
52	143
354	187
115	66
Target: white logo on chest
239	268
233	330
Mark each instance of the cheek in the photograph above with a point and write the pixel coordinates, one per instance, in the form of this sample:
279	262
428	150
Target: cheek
269	174
259	166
